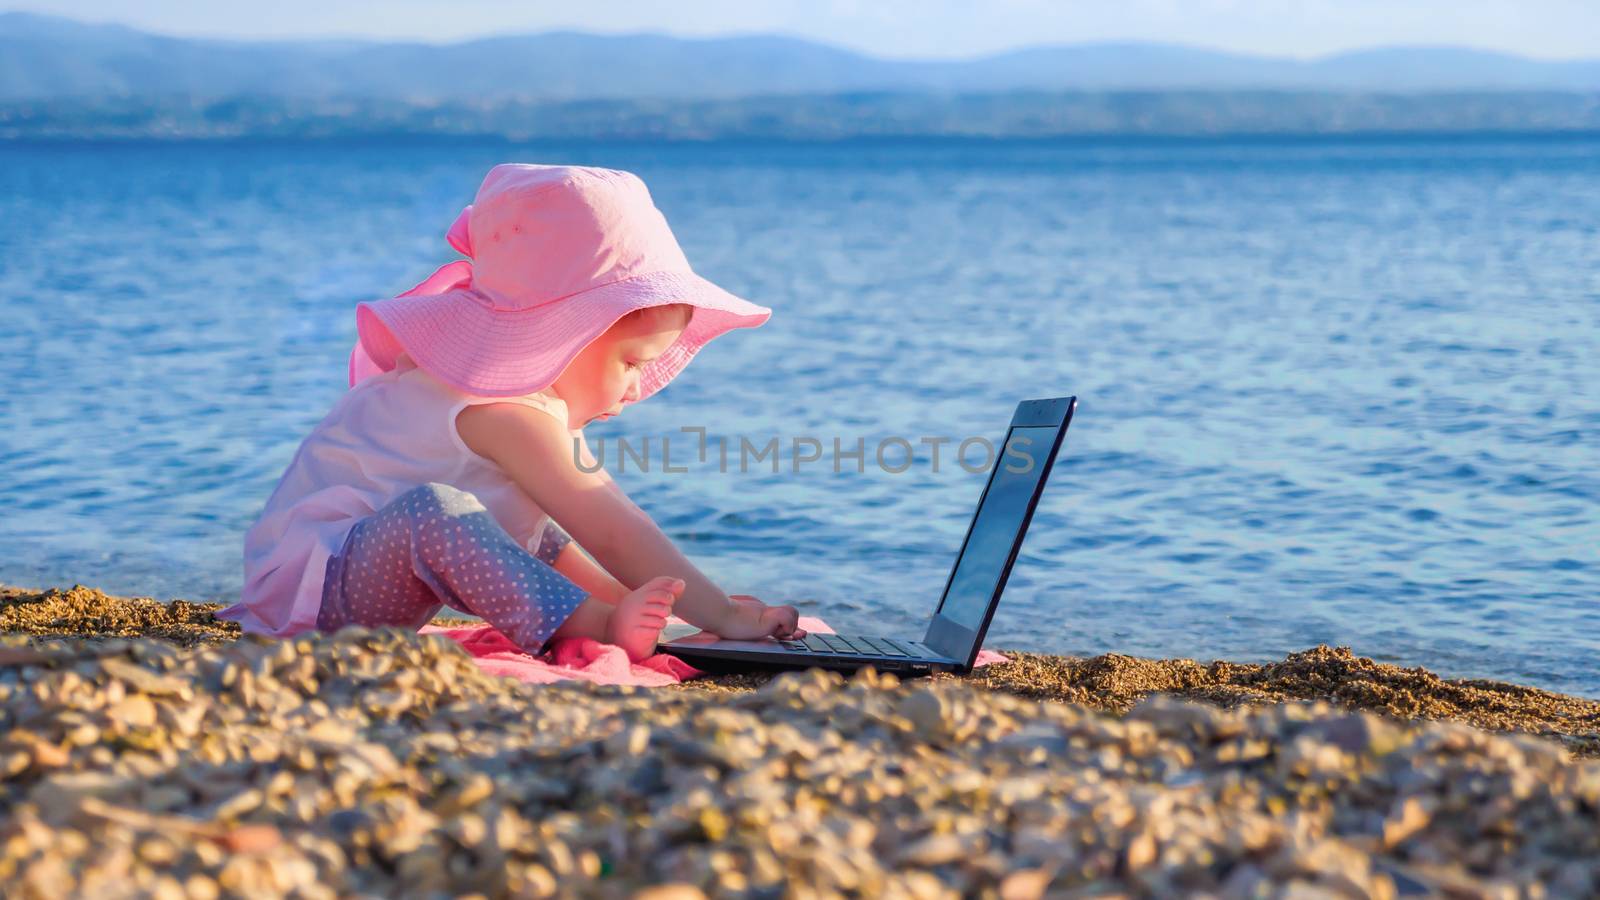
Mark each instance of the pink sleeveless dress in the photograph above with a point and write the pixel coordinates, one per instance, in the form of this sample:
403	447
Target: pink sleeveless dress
389	433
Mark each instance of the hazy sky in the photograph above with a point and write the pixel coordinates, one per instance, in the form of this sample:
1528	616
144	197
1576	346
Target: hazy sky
904	28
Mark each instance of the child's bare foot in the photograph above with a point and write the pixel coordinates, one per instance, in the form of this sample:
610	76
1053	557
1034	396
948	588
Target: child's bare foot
637	621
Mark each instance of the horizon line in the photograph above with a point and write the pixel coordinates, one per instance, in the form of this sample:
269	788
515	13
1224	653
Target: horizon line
866	54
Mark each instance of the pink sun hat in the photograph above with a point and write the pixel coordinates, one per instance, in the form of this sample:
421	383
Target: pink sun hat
558	254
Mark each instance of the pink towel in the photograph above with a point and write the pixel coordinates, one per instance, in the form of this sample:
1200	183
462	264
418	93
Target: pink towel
586	659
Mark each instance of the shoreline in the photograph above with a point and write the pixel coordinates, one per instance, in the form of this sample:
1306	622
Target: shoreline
146	747
1112	683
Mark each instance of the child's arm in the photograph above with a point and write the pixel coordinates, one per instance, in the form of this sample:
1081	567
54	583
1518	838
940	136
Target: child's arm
757	612
536	452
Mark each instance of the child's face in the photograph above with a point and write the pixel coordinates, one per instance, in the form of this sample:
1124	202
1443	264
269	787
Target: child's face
604	376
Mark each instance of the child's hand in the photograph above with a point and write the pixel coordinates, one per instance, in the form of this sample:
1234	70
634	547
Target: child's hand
750	619
795	633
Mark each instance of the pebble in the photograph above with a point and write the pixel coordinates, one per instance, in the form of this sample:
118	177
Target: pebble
379	763
133	711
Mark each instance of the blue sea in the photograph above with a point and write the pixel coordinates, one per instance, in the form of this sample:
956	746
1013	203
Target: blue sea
1330	391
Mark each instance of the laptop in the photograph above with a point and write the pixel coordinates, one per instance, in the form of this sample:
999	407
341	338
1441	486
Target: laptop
962	615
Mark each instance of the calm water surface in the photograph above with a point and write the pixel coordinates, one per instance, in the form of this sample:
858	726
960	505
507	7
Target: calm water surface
1342	392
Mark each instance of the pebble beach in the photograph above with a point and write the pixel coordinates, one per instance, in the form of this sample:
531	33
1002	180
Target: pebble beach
147	749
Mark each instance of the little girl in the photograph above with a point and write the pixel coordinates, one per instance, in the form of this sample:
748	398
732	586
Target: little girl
439	478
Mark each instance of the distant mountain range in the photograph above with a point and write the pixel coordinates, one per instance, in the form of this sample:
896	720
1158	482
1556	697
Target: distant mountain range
65	80
48	58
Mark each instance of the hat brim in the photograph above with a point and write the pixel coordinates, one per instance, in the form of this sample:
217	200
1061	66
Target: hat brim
462	340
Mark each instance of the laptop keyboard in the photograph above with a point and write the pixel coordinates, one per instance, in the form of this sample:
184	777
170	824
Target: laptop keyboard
849	646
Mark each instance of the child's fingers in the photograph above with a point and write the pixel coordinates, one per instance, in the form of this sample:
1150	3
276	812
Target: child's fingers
780	620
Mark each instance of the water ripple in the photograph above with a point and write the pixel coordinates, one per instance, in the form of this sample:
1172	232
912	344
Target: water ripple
1340	392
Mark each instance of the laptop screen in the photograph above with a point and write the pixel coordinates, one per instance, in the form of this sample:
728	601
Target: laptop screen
1012	481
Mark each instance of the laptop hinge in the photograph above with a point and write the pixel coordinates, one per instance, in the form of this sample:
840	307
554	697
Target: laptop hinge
950	639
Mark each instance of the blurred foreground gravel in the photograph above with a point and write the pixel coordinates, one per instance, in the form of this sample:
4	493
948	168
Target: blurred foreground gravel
382	763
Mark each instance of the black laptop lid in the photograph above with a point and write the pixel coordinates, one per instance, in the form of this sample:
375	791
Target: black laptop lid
1023	462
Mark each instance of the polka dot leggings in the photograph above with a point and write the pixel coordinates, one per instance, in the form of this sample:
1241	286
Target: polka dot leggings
436	546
